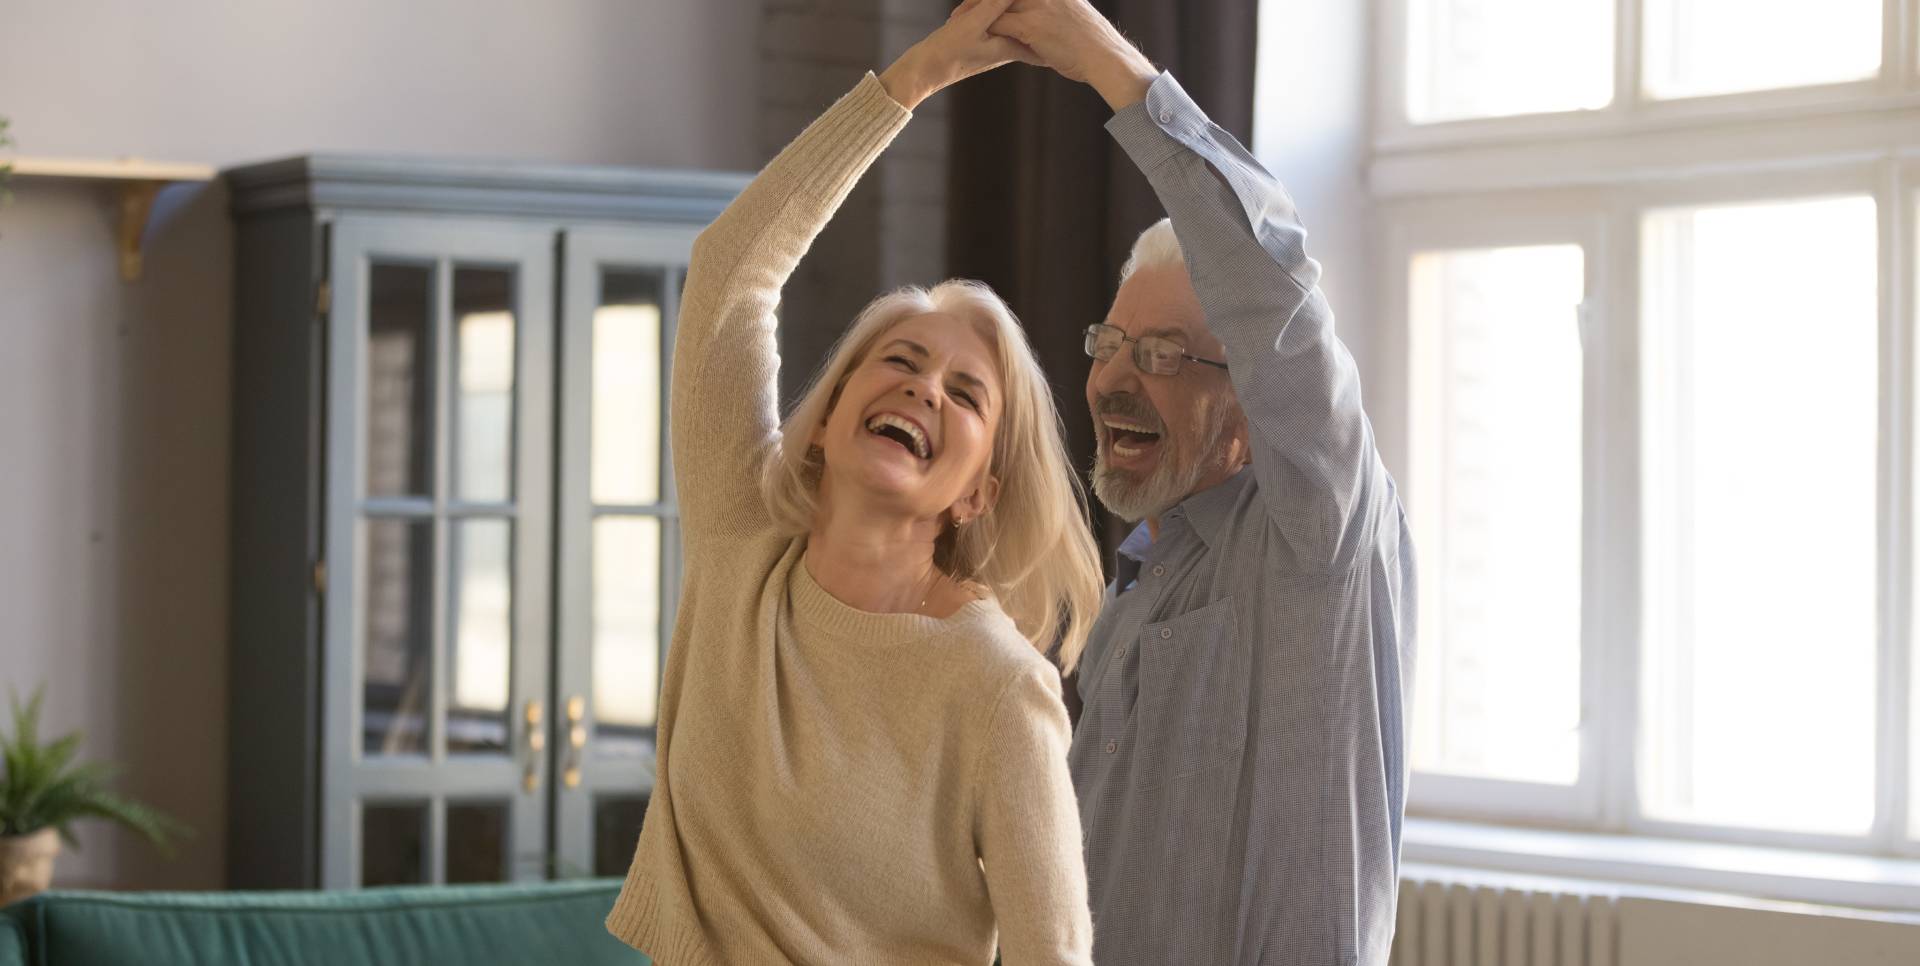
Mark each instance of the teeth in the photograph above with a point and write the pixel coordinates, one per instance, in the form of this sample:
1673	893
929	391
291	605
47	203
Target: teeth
920	447
1129	426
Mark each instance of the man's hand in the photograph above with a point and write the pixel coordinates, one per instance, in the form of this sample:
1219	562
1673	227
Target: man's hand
1079	44
955	51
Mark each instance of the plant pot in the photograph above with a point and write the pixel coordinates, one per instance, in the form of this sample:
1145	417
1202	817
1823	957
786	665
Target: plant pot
26	864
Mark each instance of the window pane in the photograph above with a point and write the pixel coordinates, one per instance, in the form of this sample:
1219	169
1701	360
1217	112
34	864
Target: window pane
399	380
479	647
1759	381
626	387
1496	503
1488	58
396	665
393	844
1696	47
483	400
626	624
616	830
476	842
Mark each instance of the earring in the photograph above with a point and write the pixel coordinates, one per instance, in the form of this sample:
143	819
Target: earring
957	522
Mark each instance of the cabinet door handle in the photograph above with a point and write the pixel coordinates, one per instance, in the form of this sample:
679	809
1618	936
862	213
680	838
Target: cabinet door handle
576	740
536	743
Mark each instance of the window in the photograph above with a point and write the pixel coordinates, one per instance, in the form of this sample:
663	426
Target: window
1647	378
1913	539
631	516
1464	58
1698	47
1759	444
1461	60
1496	376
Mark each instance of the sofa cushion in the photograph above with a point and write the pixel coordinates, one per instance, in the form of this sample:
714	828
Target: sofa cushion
13	942
491	925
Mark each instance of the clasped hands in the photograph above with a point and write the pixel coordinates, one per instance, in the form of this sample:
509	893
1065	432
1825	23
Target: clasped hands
1067	36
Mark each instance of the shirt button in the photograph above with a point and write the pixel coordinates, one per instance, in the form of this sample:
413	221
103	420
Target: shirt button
1112	746
1159	571
1166	633
1166	117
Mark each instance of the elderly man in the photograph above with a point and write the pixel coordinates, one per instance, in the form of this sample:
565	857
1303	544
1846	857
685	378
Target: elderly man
1240	759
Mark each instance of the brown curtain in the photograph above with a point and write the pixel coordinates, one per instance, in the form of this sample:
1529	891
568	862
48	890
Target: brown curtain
1043	205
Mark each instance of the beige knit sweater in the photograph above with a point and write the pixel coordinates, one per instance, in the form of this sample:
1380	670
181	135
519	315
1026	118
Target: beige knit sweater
834	786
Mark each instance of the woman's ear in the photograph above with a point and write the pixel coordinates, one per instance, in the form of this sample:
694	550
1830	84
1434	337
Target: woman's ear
980	501
819	430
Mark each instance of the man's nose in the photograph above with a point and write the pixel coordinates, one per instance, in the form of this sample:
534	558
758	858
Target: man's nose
1115	374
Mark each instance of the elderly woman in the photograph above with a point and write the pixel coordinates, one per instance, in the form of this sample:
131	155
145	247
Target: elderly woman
862	752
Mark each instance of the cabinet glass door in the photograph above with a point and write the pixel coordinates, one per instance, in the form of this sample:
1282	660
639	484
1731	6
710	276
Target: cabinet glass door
619	535
438	509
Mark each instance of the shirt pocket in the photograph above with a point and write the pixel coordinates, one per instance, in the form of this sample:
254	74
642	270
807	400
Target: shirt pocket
1193	693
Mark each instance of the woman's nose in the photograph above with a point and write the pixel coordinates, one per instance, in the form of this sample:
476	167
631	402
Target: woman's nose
922	395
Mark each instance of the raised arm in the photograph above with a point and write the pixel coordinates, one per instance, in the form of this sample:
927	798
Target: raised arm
726	362
1245	249
1312	447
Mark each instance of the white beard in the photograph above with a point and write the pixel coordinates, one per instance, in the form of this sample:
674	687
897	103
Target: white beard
1174	478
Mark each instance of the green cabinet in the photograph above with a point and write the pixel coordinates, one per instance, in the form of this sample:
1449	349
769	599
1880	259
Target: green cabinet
455	542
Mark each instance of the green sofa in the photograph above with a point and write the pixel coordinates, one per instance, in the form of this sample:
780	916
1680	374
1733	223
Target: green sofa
489	925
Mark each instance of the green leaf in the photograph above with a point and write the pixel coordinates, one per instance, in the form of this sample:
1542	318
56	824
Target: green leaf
60	754
45	788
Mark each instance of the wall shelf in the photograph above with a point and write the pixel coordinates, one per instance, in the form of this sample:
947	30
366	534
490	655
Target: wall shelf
138	181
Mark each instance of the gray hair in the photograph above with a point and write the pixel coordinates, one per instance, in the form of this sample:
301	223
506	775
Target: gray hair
1187	461
1156	246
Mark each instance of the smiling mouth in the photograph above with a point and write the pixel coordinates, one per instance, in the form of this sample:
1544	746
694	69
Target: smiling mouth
902	431
1128	438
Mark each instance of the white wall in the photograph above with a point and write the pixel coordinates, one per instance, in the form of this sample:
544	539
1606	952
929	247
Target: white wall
659	82
114	404
1310	128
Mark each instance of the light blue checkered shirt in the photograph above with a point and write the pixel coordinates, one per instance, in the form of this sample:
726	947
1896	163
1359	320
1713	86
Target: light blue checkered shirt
1240	757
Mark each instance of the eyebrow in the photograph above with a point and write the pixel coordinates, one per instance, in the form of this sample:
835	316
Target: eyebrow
1174	332
959	375
910	344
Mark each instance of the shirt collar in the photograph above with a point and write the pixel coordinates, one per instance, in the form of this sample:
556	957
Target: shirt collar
1137	542
1205	513
1207	510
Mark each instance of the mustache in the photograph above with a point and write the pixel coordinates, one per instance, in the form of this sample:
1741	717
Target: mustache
1129	406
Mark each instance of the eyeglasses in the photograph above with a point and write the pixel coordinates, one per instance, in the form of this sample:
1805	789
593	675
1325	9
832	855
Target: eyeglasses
1153	354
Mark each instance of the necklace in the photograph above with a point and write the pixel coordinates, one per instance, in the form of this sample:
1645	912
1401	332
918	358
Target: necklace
933	580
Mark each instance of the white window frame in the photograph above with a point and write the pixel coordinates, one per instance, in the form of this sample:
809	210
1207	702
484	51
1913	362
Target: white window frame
1450	227
1588	178
1881	181
1632	110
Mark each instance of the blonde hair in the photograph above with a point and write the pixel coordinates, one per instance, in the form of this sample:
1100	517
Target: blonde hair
1034	550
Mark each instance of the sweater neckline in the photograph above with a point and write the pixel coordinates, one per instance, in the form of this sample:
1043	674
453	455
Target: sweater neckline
815	608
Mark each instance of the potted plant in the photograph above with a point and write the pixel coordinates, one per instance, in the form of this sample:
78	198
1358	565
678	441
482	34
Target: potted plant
44	791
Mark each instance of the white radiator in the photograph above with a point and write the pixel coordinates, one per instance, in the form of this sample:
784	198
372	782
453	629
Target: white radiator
1451	924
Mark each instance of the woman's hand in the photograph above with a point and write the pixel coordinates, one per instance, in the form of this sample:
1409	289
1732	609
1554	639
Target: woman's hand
957	50
1080	44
